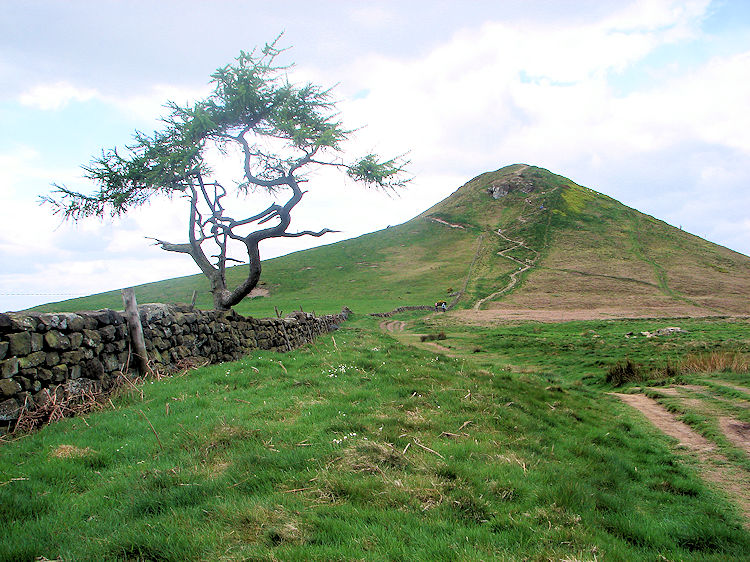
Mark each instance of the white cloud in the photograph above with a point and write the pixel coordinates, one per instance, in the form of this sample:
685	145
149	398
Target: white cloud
16	163
678	18
55	96
23	170
148	105
487	91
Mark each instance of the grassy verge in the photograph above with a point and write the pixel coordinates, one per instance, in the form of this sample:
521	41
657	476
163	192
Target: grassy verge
709	361
582	351
362	448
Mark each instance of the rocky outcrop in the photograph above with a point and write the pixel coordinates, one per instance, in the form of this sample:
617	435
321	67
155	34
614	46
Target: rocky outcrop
501	187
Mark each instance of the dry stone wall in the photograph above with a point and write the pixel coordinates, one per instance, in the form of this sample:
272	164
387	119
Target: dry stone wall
75	351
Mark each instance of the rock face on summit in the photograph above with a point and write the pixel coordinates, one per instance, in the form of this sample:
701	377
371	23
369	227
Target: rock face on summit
501	187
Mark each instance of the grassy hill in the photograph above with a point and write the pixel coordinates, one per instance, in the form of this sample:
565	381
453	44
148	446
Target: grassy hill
542	243
413	263
452	437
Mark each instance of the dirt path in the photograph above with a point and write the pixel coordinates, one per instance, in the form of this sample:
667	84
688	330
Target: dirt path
446	223
737	432
441	348
398	326
715	468
393	325
513	276
667	422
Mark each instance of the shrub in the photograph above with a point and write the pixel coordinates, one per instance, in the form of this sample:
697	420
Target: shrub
433	337
622	373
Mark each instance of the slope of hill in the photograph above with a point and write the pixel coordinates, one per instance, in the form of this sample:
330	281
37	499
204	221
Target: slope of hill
519	242
599	258
410	264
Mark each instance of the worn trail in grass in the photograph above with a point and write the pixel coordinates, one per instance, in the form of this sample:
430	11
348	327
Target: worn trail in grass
732	480
710	417
360	448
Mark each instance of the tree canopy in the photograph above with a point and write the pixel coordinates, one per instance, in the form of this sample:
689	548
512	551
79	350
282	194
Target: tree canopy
281	130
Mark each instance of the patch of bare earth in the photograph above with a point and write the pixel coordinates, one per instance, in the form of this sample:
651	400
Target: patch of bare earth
500	314
714	467
693	387
393	325
667	391
737	432
446	223
70	451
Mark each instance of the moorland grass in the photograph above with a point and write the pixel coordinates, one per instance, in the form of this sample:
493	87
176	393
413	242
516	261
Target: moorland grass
584	350
613	355
359	447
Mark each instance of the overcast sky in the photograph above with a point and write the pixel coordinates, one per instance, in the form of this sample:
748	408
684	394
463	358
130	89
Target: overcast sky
645	101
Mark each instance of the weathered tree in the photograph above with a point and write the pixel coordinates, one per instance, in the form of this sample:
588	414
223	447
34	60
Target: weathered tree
278	129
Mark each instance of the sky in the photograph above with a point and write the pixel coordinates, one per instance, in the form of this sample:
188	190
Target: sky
645	101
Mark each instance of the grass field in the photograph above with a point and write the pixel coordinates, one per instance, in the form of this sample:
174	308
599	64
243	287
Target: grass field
473	435
364	447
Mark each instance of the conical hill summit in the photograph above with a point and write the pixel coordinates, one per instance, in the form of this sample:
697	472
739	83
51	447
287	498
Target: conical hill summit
516	243
576	253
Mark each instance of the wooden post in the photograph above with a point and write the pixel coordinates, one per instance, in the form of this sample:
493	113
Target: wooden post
135	329
286	337
192	301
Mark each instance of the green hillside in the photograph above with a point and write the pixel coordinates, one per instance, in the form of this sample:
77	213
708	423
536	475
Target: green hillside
410	264
518	239
431	436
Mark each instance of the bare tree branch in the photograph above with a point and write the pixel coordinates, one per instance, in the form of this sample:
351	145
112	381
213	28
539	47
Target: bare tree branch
308	233
252	102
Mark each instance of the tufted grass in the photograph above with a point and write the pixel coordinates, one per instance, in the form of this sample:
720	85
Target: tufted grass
359	447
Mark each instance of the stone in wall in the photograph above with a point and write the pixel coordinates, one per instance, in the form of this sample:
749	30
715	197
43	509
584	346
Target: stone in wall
41	353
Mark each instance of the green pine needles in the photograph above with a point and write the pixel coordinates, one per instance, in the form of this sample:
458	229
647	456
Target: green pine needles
280	131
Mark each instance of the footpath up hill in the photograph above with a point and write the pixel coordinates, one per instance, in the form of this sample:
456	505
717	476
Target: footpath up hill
575	253
516	243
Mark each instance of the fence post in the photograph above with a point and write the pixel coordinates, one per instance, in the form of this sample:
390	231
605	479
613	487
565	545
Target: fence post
135	329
